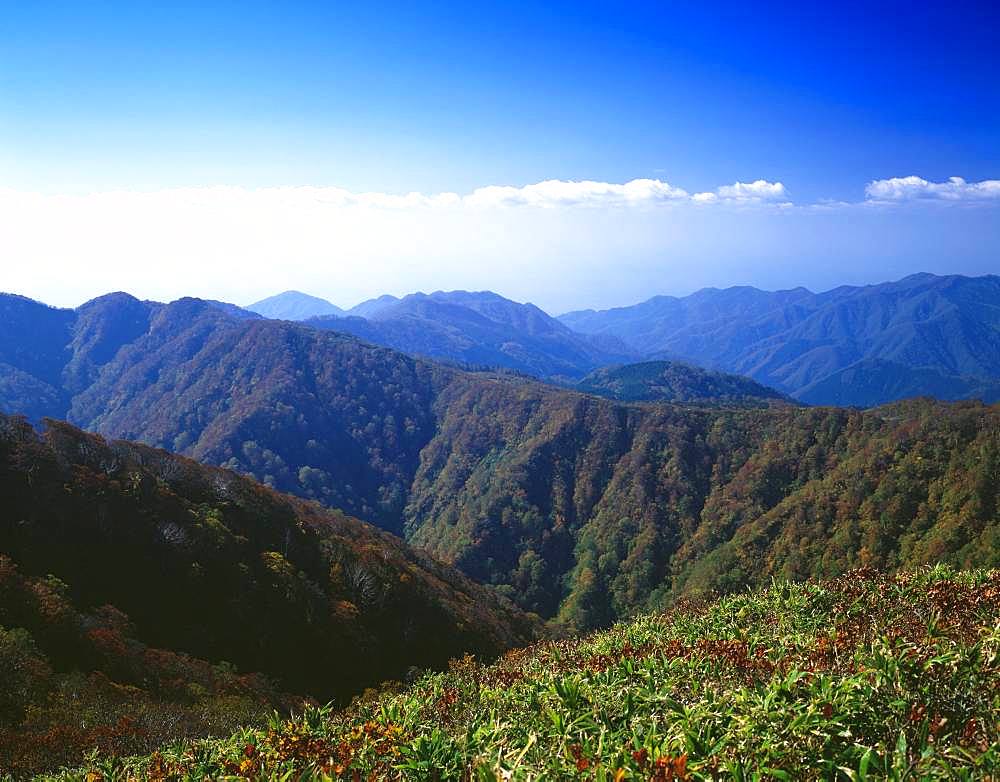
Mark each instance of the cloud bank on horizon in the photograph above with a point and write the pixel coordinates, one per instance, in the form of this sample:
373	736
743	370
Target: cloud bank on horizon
914	188
563	244
546	194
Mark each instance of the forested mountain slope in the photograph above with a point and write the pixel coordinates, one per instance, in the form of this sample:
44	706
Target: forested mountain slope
116	520
137	548
78	679
587	510
577	507
871	381
673	381
132	581
935	332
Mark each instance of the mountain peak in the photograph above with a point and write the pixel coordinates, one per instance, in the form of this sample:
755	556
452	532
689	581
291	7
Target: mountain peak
113	298
294	305
370	307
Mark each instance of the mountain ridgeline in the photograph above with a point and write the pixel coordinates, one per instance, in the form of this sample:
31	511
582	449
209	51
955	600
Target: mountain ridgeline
477	329
579	508
481	329
862	346
857	346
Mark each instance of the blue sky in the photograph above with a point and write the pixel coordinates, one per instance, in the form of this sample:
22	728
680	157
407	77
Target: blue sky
101	99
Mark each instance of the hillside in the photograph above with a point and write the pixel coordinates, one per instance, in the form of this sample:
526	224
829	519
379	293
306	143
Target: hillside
369	307
76	680
319	603
863	677
34	341
294	305
869	381
587	510
578	508
672	381
798	341
480	329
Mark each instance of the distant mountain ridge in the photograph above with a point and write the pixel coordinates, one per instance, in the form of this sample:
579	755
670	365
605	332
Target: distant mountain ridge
925	334
856	346
479	328
371	306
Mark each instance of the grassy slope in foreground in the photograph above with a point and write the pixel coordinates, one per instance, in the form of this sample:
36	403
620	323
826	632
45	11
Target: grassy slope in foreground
864	677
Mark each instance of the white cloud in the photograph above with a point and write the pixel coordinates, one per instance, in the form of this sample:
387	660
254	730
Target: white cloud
757	192
555	192
914	188
547	194
760	189
561	244
244	243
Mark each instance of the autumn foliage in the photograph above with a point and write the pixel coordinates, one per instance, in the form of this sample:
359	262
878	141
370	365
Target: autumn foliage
139	589
864	677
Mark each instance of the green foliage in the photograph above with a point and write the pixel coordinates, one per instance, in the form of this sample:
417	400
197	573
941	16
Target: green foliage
127	575
588	511
73	681
866	677
581	509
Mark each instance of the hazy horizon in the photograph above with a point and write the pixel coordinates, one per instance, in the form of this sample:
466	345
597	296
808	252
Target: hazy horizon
429	292
574	155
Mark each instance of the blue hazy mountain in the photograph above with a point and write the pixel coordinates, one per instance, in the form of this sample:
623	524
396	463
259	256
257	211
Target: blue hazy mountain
367	309
481	329
924	334
294	305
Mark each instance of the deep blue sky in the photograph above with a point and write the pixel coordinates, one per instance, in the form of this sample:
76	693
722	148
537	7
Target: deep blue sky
430	97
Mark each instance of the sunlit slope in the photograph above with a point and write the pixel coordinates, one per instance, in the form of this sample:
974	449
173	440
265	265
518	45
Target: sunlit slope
863	677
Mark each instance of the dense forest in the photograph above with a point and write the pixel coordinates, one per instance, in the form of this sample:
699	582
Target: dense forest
144	596
587	511
579	508
673	381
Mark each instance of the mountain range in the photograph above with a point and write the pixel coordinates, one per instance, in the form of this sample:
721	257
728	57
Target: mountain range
295	305
481	329
579	508
923	335
473	329
855	346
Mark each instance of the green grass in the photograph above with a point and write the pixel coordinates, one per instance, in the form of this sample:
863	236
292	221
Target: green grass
864	677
